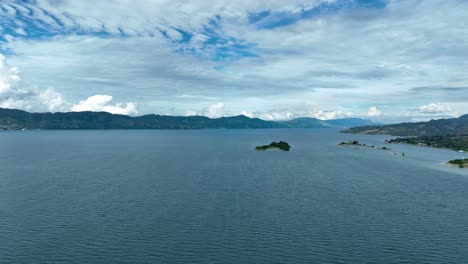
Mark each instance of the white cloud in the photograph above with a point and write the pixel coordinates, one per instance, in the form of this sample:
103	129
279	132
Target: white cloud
97	103
173	34
327	115
9	77
46	101
435	108
21	31
144	17
374	112
404	45
14	95
191	113
215	110
274	115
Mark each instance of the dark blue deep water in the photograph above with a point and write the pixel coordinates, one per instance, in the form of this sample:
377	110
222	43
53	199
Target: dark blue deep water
208	197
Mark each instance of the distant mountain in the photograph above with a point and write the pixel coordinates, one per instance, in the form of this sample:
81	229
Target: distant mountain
11	119
304	122
307	122
17	119
350	122
440	127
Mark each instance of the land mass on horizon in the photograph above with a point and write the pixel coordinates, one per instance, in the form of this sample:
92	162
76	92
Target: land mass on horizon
451	133
439	127
12	119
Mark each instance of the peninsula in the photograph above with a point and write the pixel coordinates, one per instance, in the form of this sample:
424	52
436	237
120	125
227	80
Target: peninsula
441	127
456	142
451	133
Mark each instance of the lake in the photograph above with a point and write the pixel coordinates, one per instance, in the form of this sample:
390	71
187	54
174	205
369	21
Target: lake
158	196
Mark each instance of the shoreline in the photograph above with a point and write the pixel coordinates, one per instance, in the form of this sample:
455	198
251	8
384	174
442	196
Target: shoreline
424	146
357	144
460	163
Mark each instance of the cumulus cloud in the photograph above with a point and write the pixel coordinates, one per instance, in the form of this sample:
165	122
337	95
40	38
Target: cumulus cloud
435	108
14	95
44	101
288	115
327	115
374	112
98	103
213	111
9	77
218	110
247	114
274	115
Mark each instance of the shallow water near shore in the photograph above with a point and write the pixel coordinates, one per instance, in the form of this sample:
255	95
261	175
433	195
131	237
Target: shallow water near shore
207	196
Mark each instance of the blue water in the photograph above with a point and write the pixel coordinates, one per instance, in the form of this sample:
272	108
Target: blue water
149	196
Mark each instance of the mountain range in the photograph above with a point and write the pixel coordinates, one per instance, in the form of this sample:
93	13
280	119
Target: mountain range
307	122
441	127
12	119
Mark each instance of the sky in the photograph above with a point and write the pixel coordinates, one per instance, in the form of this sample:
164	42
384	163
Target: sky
384	60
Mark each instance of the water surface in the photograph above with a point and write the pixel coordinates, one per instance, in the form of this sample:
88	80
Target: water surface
152	196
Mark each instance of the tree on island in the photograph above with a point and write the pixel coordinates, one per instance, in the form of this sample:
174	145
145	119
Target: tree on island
282	145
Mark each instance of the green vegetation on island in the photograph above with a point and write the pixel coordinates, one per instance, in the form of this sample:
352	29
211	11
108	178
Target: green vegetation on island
451	133
274	145
356	143
353	143
461	163
458	142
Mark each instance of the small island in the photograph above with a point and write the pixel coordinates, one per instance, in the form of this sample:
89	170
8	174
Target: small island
357	144
461	163
352	143
282	145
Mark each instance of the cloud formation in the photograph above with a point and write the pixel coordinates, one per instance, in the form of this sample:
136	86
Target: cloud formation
374	112
98	103
213	111
435	108
280	59
327	115
14	95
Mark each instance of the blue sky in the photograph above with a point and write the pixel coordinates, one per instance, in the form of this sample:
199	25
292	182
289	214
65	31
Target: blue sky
386	60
